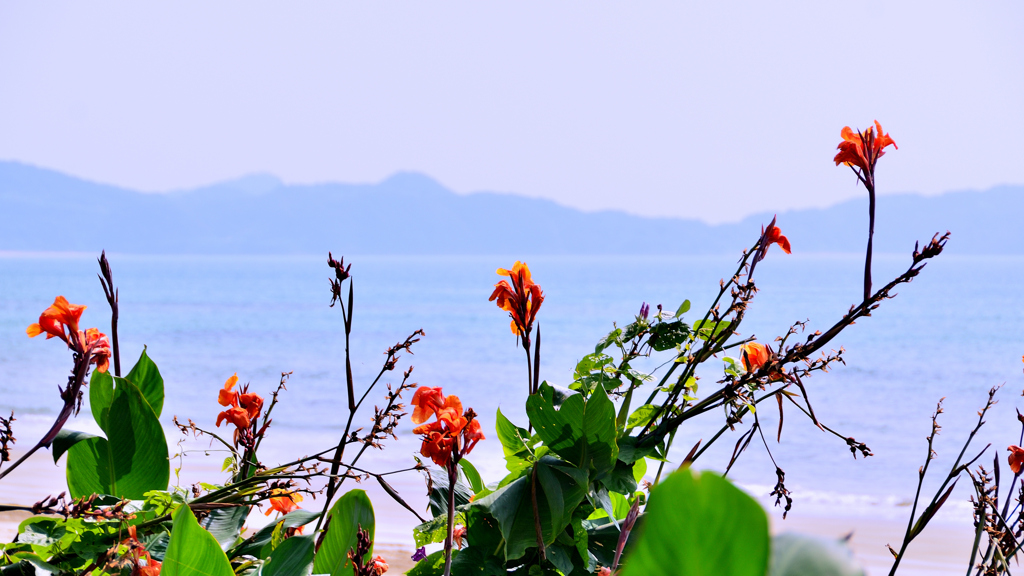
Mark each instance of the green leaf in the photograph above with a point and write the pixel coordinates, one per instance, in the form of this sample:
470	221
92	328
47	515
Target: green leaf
613	337
253	545
800	555
513	442
641	416
147	377
700	525
438	498
710	328
349	513
193	551
132	459
435	530
226	524
65	439
668	335
41	531
472	476
294	557
683	308
101	394
561	488
580	431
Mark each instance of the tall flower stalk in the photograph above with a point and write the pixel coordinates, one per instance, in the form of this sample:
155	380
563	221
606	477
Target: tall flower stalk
522	299
860	151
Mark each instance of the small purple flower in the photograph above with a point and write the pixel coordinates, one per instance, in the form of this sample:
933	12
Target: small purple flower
645	309
419	554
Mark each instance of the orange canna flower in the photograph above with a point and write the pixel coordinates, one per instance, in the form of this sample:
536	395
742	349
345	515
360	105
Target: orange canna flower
427	402
863	149
774	236
754	355
458	533
244	408
53	321
98	343
227	396
451	414
521	299
235	415
453	434
287	502
1016	458
252	403
379	565
472	434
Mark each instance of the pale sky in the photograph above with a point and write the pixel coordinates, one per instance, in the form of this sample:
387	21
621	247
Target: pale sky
709	110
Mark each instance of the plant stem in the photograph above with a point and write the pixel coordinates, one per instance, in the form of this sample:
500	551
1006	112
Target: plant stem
452	474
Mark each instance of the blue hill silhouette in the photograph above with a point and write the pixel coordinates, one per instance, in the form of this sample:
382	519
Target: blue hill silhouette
409	213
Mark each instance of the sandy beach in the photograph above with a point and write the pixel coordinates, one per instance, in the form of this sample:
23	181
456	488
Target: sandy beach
943	548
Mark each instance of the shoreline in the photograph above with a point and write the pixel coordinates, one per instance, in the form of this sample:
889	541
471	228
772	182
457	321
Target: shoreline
943	548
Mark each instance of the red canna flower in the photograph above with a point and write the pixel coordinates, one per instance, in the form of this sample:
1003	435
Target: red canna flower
1016	458
379	565
53	321
427	402
521	299
863	149
287	502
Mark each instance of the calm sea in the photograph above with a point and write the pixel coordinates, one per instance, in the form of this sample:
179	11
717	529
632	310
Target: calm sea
954	332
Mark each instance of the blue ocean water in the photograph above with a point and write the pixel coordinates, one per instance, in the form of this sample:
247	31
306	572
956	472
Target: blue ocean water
954	332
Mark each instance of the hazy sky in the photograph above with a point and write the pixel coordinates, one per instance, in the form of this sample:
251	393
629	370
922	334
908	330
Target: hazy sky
710	110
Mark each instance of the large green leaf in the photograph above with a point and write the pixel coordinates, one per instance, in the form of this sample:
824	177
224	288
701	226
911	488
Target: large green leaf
800	555
132	459
226	524
514	443
147	377
294	557
65	439
580	431
351	511
560	489
700	526
193	551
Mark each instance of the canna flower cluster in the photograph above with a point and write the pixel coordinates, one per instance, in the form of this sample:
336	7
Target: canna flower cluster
60	320
243	408
521	299
454	433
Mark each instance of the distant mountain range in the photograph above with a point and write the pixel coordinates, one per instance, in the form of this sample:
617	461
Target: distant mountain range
44	210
